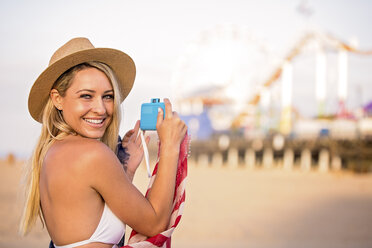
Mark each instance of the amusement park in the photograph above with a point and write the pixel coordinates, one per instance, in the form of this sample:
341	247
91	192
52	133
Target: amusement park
248	106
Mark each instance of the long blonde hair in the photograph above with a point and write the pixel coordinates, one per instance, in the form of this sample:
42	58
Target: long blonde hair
55	128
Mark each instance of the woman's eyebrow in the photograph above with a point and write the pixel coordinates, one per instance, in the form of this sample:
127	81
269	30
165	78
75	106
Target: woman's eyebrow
92	91
85	90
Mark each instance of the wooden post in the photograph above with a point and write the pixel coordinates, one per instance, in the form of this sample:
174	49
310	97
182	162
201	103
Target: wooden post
250	158
232	158
268	158
305	160
10	159
288	159
323	161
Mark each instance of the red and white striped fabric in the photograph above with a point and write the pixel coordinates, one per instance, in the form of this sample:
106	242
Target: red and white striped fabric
163	239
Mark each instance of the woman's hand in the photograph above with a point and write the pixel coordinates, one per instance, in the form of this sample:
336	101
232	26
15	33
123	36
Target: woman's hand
171	129
133	145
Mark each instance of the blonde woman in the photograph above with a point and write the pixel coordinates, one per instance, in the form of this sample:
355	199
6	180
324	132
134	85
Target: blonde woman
76	184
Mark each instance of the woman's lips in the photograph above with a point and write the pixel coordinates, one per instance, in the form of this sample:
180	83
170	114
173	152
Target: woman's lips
94	121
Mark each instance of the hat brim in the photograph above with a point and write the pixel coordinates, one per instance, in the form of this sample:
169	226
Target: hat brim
122	65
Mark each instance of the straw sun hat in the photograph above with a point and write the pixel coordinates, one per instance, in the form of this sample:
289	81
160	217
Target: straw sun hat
74	52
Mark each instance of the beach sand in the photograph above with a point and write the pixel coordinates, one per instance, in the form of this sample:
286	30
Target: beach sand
238	207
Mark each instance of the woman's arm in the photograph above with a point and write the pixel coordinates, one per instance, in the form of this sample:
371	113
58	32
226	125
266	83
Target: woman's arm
147	216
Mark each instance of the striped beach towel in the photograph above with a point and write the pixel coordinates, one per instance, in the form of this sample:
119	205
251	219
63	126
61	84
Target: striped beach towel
163	239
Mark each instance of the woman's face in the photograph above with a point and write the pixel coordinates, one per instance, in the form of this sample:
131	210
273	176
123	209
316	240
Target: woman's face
88	104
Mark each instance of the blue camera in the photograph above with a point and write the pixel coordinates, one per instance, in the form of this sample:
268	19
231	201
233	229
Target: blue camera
149	114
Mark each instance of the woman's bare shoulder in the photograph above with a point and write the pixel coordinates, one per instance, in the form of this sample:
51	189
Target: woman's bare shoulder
79	152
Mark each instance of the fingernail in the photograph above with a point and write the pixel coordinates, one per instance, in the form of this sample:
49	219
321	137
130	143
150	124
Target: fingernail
160	109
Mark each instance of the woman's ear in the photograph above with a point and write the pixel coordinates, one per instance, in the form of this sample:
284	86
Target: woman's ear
56	99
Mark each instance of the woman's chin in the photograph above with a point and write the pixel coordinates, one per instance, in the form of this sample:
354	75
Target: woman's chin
92	135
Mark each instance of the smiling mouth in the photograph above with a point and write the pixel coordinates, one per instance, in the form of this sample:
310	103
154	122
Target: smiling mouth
94	121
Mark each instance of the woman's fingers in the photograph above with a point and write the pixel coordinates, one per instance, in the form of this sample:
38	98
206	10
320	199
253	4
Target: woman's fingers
168	108
171	129
136	128
126	138
160	117
132	135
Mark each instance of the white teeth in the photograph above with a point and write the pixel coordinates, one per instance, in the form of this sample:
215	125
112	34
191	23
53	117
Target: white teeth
95	121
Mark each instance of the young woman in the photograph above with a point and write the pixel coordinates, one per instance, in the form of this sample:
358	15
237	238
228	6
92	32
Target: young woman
76	183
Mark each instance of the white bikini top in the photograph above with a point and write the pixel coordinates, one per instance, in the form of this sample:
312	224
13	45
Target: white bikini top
110	230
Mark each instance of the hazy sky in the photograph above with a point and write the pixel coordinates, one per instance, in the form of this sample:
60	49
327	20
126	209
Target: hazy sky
154	34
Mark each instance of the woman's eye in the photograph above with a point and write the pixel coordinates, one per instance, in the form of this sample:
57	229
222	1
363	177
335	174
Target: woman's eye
108	96
85	96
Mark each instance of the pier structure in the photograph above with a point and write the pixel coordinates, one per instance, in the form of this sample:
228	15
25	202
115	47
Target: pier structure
323	155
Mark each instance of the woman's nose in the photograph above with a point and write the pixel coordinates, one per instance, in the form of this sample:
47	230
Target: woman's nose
99	106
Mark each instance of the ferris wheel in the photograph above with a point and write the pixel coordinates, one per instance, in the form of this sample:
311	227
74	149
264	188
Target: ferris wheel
224	64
